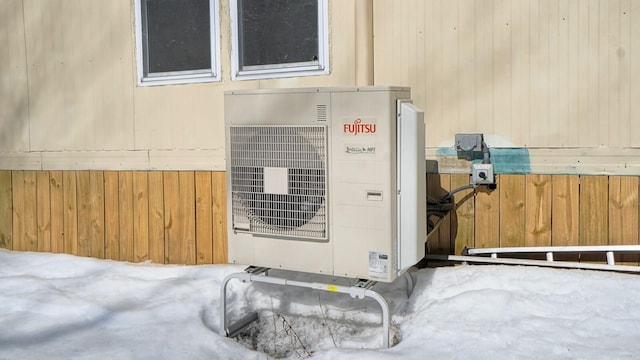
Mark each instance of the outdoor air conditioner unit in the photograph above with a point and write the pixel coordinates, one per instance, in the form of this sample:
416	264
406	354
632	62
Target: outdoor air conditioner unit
326	180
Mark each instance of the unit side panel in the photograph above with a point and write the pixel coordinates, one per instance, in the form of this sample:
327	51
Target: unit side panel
363	184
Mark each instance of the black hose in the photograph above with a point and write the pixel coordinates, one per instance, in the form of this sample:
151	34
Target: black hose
452	192
436	210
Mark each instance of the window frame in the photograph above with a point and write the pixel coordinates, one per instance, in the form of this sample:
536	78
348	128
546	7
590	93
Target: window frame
178	77
256	72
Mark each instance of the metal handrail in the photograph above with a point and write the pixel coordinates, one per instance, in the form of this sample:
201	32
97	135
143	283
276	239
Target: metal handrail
609	250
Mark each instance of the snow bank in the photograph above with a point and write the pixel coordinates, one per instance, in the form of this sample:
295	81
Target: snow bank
63	307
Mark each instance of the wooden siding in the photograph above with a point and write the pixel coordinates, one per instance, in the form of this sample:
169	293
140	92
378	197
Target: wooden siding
165	217
543	74
179	217
539	210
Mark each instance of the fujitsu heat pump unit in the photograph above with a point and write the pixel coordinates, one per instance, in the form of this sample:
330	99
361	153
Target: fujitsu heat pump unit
326	180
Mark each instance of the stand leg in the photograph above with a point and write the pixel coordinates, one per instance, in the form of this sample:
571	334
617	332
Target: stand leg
244	277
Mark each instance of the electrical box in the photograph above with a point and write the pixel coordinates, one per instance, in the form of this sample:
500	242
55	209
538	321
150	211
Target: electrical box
482	174
469	142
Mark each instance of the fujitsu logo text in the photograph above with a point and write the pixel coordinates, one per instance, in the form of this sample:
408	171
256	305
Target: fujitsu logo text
359	128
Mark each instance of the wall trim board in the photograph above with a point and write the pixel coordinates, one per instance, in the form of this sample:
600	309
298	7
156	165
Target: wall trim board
567	161
20	161
197	159
551	161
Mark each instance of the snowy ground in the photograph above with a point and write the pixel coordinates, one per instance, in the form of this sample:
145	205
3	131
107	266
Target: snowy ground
64	307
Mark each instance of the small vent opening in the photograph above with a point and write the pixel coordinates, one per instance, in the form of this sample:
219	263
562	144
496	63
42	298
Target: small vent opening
321	112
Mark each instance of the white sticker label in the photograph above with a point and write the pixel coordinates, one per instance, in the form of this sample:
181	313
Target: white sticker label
276	180
378	265
360	149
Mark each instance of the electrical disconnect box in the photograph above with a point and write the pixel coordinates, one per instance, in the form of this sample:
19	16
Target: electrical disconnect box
482	174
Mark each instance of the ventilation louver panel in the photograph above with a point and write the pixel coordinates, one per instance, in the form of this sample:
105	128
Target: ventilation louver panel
278	180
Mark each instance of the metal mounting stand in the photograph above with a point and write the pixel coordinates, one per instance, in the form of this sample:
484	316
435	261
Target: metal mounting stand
361	290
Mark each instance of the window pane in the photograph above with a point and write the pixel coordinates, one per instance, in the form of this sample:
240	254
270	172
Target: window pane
278	31
178	35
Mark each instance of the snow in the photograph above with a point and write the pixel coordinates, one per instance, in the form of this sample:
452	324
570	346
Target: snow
55	306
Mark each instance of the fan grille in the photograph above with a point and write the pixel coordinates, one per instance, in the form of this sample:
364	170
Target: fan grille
298	208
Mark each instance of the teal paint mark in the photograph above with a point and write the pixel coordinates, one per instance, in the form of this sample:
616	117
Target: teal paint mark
505	160
511	160
446	151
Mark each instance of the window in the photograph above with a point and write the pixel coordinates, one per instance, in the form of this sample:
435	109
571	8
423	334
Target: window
177	41
279	38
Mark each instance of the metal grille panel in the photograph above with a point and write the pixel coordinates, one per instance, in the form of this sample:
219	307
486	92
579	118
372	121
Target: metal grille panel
297	209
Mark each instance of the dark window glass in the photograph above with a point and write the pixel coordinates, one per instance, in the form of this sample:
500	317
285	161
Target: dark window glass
277	31
178	35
